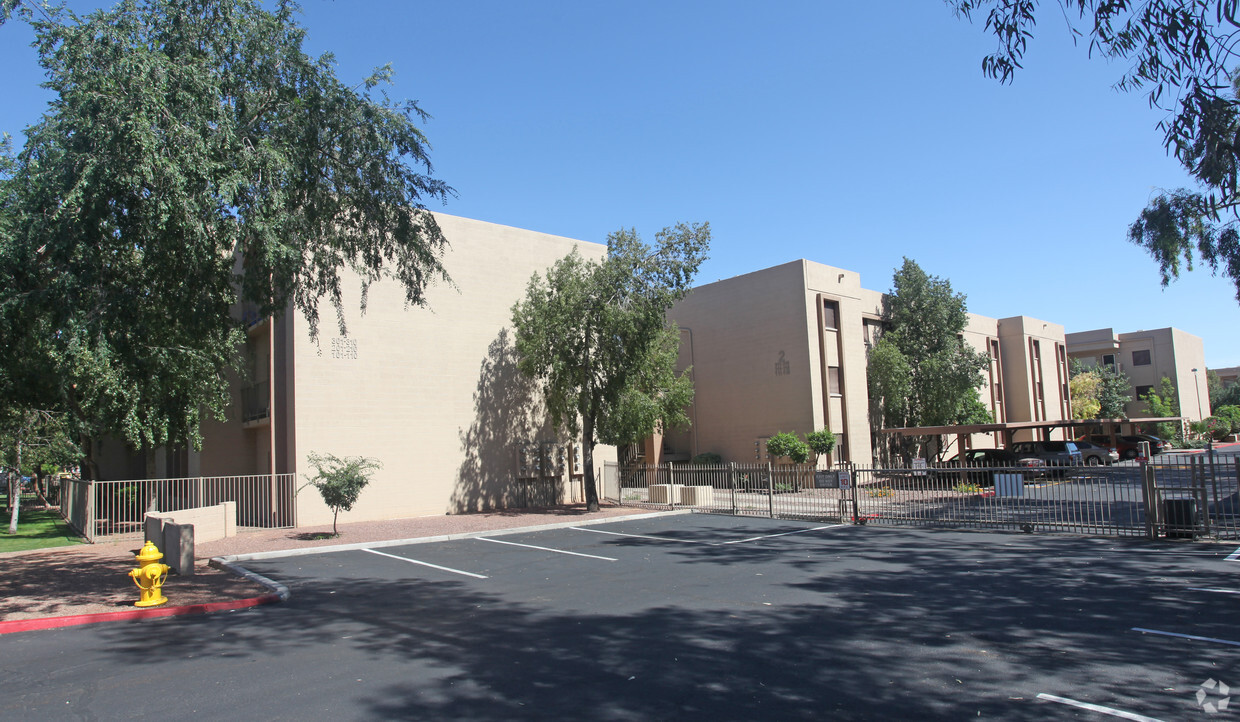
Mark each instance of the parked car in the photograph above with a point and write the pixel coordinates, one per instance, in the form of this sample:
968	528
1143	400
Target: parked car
981	465
1129	445
1052	453
1157	445
1095	454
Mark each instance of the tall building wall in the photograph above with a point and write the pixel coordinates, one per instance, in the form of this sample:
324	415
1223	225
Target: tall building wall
1146	357
1035	371
752	363
434	393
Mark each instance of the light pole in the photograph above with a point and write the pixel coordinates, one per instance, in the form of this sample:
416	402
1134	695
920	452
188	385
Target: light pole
1197	390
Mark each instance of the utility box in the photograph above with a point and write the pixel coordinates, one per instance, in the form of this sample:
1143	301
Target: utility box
1009	485
1180	516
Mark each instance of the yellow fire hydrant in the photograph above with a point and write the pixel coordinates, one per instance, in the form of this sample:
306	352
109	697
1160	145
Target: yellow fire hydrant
150	576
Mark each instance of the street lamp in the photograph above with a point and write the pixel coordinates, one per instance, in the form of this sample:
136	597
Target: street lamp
1197	390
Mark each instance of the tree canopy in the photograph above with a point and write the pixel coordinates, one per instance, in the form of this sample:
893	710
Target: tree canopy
596	335
920	372
193	156
1098	392
1181	53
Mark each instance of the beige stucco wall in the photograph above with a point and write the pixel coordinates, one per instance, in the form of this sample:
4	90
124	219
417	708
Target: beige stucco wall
431	392
1020	371
1173	354
740	327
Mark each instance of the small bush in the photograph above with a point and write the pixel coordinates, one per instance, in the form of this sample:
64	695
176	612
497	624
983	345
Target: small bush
706	458
340	481
785	444
821	442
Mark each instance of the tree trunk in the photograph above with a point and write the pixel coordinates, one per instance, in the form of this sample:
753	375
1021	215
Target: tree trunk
90	467
587	458
15	491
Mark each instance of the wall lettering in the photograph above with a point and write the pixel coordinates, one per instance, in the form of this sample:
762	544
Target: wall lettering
345	348
782	367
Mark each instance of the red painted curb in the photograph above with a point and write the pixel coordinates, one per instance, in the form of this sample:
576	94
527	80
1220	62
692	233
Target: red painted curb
30	625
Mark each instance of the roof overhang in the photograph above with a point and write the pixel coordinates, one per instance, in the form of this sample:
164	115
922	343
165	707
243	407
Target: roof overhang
1023	425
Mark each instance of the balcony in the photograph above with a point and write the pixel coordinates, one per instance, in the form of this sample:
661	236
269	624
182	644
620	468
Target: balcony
255	404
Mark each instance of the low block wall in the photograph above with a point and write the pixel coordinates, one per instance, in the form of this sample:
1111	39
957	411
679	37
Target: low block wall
210	522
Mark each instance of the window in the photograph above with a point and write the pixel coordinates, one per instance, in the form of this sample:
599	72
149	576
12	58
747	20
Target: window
871	330
834	384
1108	359
1143	391
830	315
1141	358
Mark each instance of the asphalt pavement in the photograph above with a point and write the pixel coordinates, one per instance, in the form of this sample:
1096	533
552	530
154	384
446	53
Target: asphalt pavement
688	617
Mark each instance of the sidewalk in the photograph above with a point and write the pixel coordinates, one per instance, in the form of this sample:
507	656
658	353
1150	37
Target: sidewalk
93	578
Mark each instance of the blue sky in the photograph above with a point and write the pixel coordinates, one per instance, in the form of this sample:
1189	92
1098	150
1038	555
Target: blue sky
853	134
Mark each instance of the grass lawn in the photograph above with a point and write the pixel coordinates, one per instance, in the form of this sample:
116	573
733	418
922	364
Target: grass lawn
36	529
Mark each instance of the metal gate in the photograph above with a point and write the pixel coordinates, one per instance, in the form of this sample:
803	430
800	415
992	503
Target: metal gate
1172	496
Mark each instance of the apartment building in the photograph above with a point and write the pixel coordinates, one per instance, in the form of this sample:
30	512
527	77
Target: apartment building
1227	375
433	393
785	349
1146	357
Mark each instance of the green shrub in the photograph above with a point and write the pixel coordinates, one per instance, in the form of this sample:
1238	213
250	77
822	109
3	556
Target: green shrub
1231	414
706	458
785	444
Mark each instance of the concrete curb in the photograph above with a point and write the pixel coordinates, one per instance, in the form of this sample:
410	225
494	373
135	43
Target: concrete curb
30	625
306	551
278	589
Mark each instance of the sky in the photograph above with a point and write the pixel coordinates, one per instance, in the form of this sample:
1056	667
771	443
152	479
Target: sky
851	134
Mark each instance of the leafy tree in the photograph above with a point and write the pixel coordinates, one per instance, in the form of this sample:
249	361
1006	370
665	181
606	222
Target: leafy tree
596	335
340	481
1228	396
1181	54
1214	386
1230	415
1084	386
1164	402
787	444
822	443
920	372
193	156
32	442
1114	393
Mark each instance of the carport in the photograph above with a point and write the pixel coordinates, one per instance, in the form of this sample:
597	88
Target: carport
1041	429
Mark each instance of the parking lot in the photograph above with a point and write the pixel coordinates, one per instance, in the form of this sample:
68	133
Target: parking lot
684	616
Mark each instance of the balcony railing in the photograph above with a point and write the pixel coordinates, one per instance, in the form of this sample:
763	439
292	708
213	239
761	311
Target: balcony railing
255	401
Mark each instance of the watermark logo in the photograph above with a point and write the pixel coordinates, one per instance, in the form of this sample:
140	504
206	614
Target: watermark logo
1213	696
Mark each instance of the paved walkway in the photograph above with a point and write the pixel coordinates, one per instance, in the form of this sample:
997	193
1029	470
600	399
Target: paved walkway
93	578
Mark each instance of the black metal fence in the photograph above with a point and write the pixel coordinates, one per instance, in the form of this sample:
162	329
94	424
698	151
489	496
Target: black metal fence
1171	496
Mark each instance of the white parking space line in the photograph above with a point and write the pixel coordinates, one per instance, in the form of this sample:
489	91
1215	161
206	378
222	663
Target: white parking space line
641	536
546	549
1234	556
1187	636
785	533
426	564
1219	591
1098	708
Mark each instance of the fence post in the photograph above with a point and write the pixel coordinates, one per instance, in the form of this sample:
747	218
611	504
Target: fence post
770	490
1149	495
852	491
732	484
89	531
671	486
